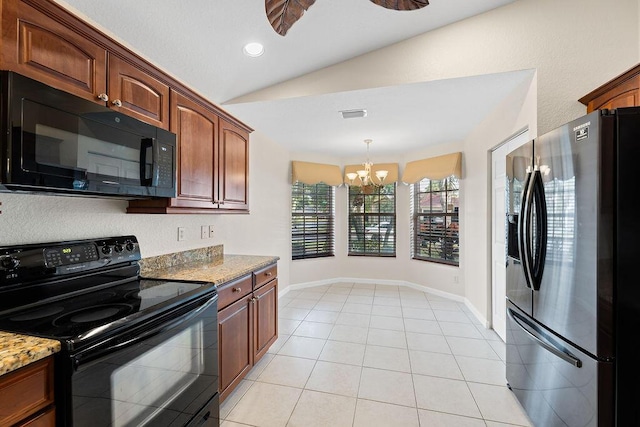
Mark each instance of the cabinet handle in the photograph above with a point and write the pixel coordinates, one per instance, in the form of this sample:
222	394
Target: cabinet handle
103	97
237	289
268	273
117	103
254	299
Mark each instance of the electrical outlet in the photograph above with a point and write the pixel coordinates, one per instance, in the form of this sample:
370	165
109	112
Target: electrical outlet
204	232
455	279
211	231
180	234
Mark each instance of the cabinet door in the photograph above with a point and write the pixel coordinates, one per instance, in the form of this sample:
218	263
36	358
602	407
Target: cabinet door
233	174
235	332
137	93
37	46
265	318
197	131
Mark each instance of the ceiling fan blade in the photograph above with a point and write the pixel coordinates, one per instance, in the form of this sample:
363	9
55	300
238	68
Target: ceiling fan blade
402	4
282	14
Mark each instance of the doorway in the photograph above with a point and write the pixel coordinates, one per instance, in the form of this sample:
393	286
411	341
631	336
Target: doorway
498	231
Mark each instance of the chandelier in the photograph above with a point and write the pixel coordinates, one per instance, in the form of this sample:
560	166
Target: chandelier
365	174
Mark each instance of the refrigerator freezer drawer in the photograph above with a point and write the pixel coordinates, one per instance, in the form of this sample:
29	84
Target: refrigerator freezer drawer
556	383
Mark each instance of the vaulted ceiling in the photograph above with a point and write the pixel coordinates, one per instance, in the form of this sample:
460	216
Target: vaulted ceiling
200	42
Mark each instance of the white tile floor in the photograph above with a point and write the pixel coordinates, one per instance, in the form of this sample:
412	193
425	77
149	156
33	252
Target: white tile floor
376	355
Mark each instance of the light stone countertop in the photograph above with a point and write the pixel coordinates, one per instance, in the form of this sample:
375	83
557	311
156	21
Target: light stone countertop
218	270
18	350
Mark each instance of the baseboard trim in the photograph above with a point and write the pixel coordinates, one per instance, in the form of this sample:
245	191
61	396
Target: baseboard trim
438	292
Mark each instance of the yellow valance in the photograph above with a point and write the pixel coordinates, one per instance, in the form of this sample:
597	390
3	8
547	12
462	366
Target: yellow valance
392	177
433	168
314	173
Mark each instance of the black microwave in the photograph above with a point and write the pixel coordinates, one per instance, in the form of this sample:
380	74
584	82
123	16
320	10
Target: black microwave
53	141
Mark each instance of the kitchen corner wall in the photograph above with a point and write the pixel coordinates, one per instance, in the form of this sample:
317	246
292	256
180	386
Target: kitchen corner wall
34	218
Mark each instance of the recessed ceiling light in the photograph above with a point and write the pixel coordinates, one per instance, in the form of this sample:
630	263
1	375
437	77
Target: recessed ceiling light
353	114
253	49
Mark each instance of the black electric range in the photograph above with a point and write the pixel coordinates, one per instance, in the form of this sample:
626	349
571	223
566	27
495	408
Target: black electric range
135	351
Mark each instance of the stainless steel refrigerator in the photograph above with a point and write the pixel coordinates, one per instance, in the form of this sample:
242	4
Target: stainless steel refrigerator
573	292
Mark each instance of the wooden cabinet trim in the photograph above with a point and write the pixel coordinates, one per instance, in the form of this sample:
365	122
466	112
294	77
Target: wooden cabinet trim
611	85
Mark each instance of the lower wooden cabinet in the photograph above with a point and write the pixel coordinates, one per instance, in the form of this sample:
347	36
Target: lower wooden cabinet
247	325
26	395
235	335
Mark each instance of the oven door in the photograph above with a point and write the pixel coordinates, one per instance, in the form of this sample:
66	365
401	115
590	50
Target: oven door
162	374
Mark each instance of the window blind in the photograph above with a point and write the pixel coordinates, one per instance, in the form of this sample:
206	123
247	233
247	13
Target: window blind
312	220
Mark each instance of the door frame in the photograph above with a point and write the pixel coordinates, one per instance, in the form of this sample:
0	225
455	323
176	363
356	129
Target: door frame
511	139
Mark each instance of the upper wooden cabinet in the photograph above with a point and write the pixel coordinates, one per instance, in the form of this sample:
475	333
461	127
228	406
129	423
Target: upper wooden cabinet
233	167
36	45
197	131
622	91
42	42
137	93
213	163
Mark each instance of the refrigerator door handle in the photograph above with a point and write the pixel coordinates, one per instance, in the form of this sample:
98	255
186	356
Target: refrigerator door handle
543	341
524	229
541	230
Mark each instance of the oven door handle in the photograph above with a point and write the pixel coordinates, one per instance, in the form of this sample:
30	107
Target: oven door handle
98	351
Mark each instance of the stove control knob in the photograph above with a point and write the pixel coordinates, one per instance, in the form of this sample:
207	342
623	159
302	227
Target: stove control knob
130	246
106	249
118	248
9	262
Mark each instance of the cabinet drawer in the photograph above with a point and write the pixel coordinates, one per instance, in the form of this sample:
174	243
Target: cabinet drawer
233	291
26	391
265	275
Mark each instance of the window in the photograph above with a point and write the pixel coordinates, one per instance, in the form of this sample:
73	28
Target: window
312	217
372	220
435	220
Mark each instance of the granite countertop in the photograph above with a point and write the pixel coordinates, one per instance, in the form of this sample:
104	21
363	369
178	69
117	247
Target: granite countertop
18	350
217	270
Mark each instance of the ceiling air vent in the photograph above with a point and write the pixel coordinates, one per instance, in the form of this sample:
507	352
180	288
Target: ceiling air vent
353	114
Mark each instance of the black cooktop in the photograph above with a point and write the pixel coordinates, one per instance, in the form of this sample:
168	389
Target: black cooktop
84	290
75	316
